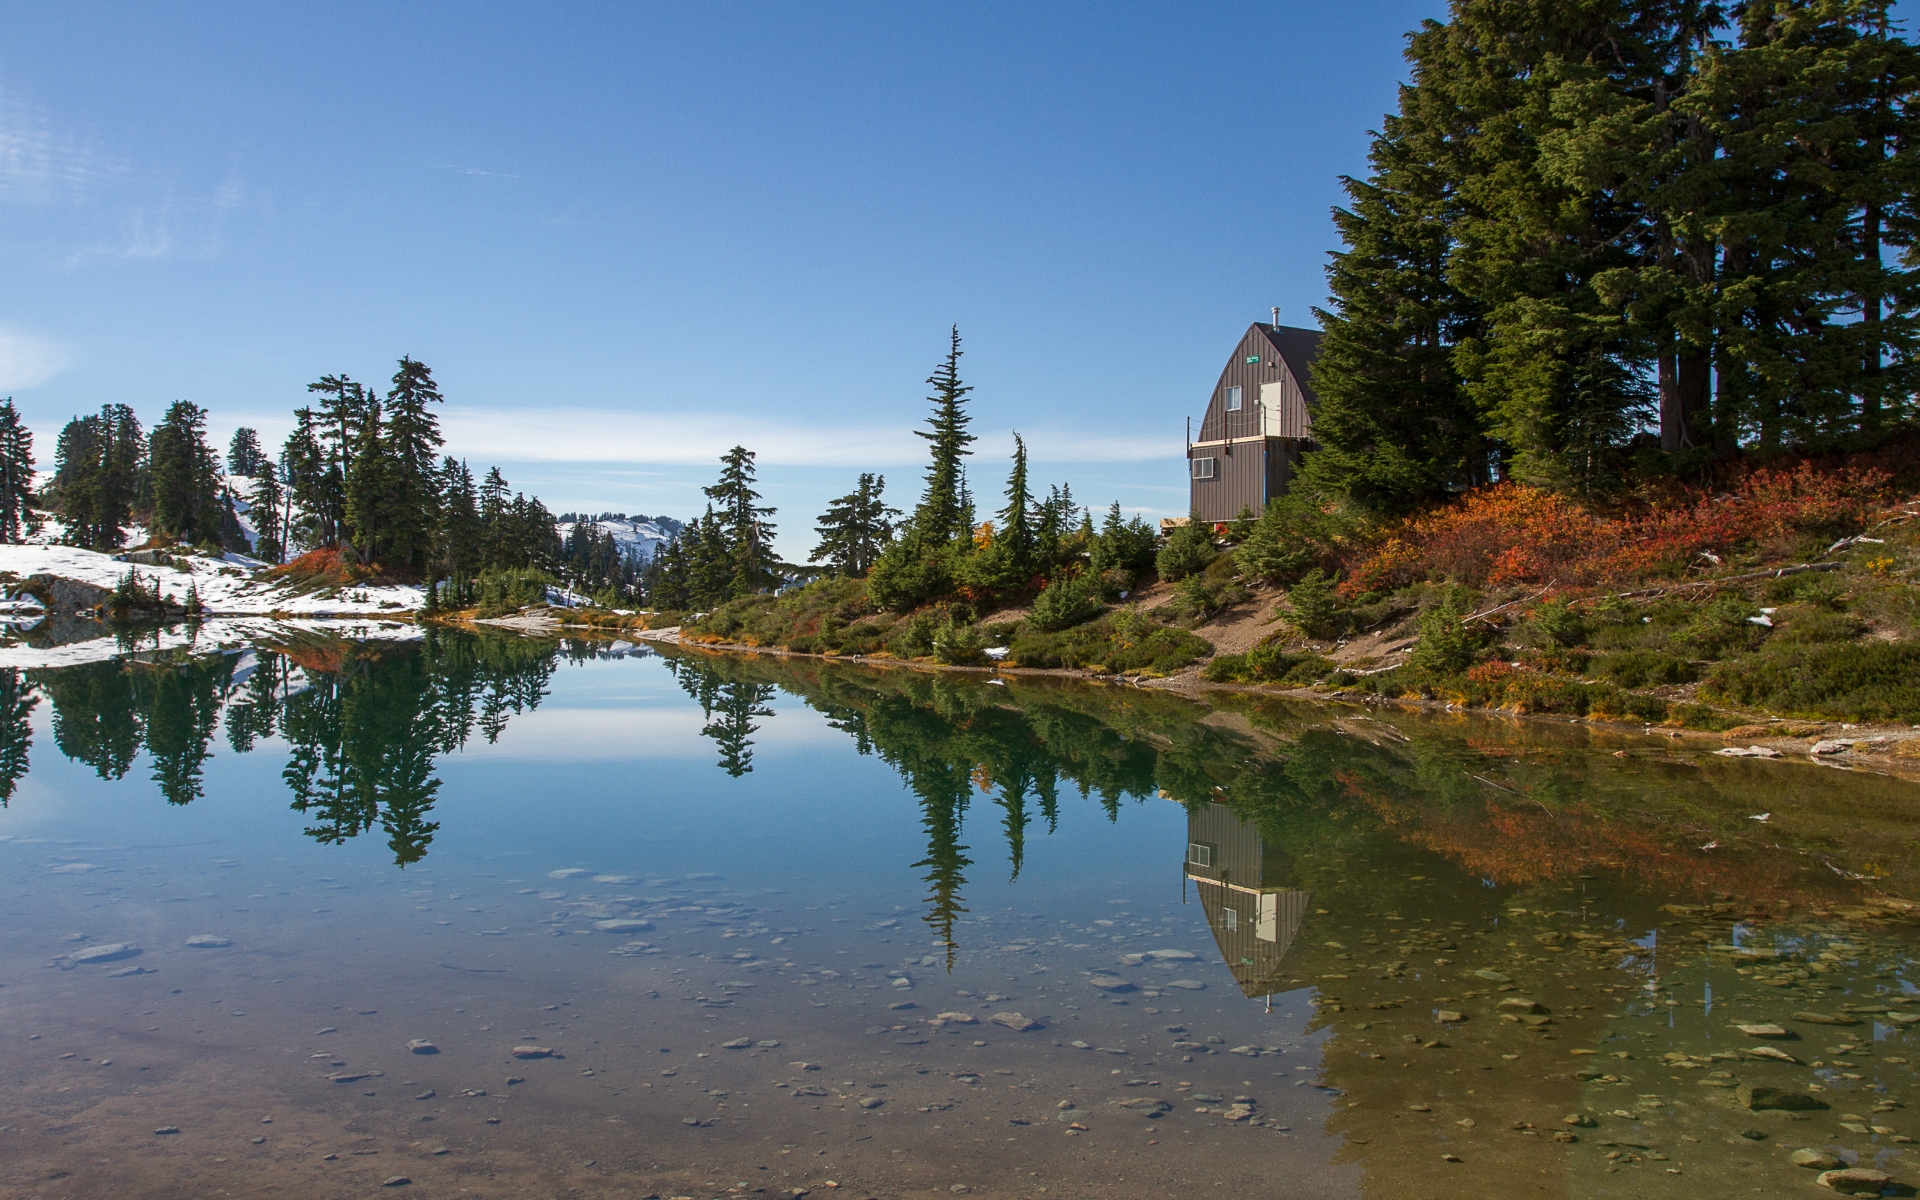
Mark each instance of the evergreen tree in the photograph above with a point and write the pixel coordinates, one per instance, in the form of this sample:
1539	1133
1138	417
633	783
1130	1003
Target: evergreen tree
16	476
944	512
244	456
742	528
185	475
312	484
1393	428
97	476
462	536
855	528
263	508
411	444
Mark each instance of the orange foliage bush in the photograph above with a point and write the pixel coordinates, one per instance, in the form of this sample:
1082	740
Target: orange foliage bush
322	567
1513	534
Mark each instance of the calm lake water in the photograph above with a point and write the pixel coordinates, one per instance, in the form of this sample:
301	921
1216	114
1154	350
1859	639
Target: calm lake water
500	917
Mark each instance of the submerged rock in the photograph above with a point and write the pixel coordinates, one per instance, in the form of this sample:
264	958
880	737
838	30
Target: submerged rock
1856	1180
534	1052
622	925
1016	1022
207	941
1816	1158
104	953
1758	1098
422	1046
1110	983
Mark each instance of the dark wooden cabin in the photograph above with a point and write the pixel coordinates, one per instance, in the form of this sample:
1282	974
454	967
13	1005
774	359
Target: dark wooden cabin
1258	423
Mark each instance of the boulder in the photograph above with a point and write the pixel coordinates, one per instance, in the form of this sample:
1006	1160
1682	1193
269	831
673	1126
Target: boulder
1016	1022
534	1052
1819	1159
1520	1004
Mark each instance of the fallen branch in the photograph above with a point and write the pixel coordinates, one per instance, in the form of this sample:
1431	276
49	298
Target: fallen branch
1509	604
1777	573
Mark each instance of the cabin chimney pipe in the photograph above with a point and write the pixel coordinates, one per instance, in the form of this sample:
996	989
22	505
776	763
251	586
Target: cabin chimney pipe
1276	318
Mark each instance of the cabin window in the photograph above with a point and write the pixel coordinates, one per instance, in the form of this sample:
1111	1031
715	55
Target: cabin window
1229	919
1232	401
1203	468
1200	854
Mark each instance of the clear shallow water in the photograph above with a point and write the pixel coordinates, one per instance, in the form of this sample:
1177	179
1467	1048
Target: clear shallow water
632	861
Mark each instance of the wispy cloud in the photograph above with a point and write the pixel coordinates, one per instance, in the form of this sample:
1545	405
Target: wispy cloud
478	171
40	165
27	359
604	436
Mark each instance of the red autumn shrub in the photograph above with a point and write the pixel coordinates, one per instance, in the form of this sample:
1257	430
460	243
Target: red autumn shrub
1513	534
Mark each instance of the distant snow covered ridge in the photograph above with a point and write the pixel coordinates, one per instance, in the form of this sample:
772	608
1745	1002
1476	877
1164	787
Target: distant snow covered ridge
225	585
639	538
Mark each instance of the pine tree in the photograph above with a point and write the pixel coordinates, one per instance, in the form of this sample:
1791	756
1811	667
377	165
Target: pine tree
312	483
97	476
263	507
369	492
1393	427
16	475
943	513
855	528
244	456
411	445
184	472
462	543
742	526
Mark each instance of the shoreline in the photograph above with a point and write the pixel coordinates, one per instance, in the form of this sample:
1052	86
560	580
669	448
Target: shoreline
1783	747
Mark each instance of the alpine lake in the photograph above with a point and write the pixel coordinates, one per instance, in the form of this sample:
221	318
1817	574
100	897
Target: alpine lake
464	915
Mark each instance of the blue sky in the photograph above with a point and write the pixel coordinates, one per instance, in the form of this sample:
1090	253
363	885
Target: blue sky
627	236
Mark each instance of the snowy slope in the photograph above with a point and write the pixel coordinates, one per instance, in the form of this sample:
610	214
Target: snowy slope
225	585
640	538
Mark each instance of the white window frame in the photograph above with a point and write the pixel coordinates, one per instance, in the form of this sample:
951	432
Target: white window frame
1200	854
1209	471
1230	398
1230	919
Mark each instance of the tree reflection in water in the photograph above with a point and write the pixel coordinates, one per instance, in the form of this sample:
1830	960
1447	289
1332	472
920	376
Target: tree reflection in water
1509	805
363	721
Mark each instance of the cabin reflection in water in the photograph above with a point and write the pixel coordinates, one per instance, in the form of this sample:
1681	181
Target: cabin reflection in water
1241	880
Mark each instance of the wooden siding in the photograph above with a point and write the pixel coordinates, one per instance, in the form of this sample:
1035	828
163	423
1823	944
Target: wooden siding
1239	481
1257	447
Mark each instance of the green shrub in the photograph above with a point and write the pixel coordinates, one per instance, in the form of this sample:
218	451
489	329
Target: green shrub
957	644
1296	533
1554	624
1198	597
1853	681
497	592
1725	626
1125	640
1807	624
1187	552
1446	646
1645	668
1269	663
913	637
1066	602
1317	610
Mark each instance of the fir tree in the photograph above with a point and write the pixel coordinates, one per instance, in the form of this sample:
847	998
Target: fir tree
185	475
263	507
16	476
944	513
855	528
244	456
410	443
742	527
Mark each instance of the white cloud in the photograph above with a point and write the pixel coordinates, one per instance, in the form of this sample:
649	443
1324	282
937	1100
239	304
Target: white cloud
39	166
606	436
27	359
